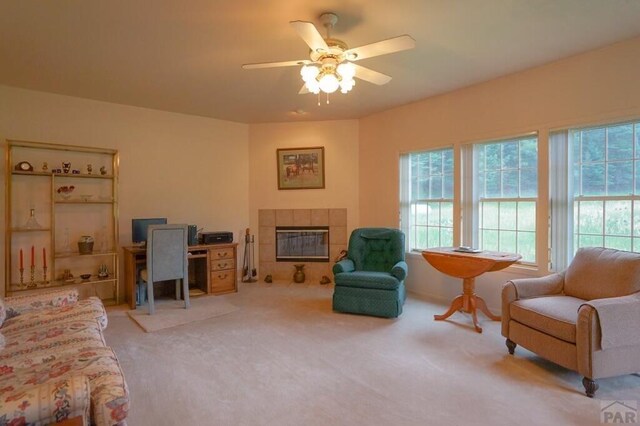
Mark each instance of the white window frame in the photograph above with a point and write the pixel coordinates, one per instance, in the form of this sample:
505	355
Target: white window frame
472	202
563	230
408	205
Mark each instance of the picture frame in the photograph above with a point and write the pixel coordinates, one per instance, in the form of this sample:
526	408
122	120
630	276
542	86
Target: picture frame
301	168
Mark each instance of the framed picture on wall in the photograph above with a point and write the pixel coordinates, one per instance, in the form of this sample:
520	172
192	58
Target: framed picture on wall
301	168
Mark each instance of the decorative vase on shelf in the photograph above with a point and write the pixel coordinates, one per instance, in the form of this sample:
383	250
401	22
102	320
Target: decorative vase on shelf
32	223
298	276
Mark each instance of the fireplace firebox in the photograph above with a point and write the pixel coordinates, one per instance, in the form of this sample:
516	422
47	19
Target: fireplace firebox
302	244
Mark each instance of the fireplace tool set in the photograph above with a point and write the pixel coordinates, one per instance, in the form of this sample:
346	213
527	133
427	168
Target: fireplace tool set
248	265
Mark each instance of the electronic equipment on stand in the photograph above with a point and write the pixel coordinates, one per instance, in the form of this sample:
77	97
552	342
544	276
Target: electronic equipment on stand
248	265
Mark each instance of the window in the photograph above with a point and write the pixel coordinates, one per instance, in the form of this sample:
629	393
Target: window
595	190
605	166
427	198
506	191
593	183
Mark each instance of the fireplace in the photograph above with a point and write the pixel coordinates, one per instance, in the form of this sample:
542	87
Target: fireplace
286	219
302	244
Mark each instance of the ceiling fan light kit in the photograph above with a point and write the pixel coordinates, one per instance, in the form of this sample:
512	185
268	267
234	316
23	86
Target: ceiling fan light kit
329	77
331	64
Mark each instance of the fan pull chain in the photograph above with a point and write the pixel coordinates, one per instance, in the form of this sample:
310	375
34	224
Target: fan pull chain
319	99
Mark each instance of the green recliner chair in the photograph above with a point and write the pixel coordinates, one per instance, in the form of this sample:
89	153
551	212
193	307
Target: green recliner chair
370	280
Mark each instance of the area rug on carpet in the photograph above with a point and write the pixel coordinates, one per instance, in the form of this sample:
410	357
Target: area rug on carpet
171	313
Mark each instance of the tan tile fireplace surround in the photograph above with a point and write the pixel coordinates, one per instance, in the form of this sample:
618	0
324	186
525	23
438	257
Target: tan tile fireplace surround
268	219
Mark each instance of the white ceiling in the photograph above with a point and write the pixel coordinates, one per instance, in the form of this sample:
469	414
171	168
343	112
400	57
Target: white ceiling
186	55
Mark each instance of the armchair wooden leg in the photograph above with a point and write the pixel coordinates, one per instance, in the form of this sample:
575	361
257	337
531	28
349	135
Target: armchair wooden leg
511	345
590	386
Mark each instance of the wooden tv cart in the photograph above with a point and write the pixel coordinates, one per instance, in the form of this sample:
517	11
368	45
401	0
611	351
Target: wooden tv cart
212	268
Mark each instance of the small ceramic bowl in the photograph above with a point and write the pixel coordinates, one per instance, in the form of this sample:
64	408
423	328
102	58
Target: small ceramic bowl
85	276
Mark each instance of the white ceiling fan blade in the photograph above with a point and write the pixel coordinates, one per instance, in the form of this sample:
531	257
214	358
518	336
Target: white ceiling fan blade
275	64
310	35
384	47
371	76
303	90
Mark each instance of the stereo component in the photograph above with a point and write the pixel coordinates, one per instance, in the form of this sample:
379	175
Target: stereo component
219	237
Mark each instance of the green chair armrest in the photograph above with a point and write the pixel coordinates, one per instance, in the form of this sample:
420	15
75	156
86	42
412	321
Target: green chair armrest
345	265
400	270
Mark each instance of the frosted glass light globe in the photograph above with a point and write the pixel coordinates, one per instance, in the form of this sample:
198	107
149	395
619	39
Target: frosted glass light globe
313	86
346	70
346	85
329	83
309	72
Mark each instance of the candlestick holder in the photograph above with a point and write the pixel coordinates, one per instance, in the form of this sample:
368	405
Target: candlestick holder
32	282
21	277
44	275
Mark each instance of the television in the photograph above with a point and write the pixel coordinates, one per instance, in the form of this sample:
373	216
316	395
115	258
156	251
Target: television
139	228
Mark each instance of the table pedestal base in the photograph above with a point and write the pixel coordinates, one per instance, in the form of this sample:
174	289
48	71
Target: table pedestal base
468	302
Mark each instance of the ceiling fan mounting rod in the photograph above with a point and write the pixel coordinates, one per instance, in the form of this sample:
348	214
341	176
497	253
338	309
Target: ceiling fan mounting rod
328	21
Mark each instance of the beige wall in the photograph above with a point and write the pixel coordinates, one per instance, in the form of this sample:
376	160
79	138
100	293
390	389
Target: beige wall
186	168
340	141
222	172
597	86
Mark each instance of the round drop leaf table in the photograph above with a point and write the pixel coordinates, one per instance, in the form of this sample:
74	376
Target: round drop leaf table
468	266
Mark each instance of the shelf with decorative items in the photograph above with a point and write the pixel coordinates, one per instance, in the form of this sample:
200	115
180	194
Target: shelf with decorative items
50	209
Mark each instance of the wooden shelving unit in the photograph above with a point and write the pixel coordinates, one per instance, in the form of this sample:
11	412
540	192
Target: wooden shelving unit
92	209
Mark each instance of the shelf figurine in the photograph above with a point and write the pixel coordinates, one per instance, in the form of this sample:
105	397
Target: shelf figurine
103	170
103	271
66	166
45	166
67	275
89	169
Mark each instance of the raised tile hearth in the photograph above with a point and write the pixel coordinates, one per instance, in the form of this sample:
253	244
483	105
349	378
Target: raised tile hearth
269	219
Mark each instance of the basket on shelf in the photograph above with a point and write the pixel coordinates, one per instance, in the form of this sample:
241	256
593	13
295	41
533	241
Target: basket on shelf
85	245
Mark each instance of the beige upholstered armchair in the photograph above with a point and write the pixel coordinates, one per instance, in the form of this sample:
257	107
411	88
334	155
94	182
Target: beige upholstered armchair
586	318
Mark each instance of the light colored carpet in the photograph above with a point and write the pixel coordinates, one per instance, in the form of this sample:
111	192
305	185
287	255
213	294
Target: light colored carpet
171	313
284	358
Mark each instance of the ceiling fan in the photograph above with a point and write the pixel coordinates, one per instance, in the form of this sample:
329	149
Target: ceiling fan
330	65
